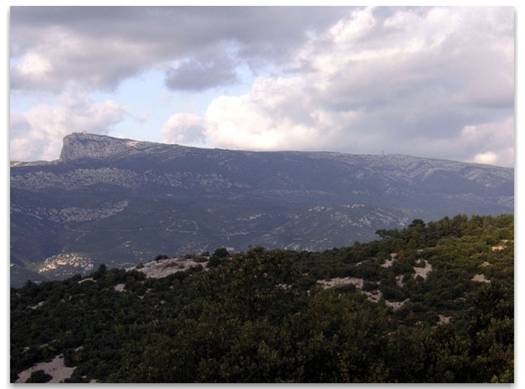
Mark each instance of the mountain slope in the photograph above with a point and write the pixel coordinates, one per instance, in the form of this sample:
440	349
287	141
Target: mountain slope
430	303
120	201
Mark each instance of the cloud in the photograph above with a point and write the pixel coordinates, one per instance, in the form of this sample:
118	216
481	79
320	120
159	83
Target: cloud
491	143
184	128
38	132
489	157
98	47
270	117
436	82
430	81
194	75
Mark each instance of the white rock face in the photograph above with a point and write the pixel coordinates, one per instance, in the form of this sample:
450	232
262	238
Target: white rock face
78	214
36	306
80	145
480	278
443	320
165	267
423	271
76	178
396	305
501	246
55	368
119	287
76	260
374	295
341	281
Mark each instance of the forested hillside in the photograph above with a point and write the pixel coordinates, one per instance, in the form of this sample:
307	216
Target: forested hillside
429	303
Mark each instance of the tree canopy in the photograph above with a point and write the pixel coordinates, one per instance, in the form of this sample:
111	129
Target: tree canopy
430	303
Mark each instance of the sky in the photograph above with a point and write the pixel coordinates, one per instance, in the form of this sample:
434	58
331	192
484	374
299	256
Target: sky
427	81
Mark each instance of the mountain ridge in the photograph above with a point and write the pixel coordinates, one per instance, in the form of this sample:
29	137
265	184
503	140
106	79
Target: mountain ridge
120	201
76	139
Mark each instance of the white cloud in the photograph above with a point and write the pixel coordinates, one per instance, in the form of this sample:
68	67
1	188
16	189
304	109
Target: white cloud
436	82
491	143
38	132
33	65
270	117
184	128
488	157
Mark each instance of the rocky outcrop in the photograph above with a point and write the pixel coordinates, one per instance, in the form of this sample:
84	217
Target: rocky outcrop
78	214
82	145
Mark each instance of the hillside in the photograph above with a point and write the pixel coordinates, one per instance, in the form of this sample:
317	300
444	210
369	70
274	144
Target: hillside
120	201
429	303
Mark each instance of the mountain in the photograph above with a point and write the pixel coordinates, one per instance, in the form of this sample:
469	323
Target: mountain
121	201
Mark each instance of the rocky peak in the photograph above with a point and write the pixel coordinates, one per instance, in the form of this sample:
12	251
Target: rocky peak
83	145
